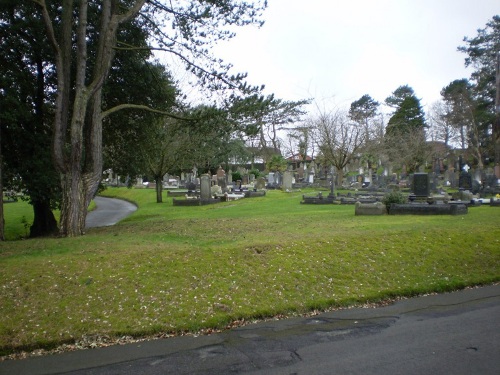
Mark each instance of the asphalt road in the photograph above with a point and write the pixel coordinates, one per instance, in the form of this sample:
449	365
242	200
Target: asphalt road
108	211
455	333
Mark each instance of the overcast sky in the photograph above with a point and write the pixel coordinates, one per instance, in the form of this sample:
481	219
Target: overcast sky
341	50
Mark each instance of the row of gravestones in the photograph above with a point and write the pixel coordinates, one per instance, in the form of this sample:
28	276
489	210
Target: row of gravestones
421	183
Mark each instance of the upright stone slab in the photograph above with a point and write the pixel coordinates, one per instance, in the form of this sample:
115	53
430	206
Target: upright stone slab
270	178
287	180
205	186
421	186
261	183
221	178
465	181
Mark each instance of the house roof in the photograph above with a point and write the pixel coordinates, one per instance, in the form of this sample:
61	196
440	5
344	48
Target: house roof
298	157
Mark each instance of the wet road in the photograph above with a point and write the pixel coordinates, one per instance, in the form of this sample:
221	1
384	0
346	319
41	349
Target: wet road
452	333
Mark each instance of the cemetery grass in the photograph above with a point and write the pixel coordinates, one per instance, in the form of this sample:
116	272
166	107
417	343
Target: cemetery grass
171	270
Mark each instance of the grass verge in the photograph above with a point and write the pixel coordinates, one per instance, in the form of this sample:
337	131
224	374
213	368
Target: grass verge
172	269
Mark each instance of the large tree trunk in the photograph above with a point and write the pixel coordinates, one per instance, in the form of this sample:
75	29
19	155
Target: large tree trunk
44	222
340	177
159	189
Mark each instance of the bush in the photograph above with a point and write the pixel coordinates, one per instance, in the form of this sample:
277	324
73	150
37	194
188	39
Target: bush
255	172
393	197
237	176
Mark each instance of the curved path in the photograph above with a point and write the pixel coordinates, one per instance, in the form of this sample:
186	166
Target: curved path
109	211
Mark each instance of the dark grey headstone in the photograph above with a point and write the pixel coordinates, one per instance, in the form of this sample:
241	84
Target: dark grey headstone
465	181
421	184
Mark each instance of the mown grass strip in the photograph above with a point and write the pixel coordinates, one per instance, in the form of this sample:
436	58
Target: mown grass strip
174	269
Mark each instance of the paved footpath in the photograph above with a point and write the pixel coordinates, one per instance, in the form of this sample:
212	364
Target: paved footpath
108	211
453	333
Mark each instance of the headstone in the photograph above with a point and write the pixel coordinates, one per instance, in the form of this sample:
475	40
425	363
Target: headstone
221	178
287	180
311	178
215	190
465	181
261	183
421	185
278	179
205	186
270	178
300	173
245	180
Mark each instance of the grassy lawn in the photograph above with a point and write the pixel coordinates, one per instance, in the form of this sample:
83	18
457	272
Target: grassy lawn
172	269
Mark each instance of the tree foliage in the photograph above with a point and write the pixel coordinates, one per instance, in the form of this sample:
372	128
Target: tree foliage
363	111
26	87
339	140
406	128
183	29
483	55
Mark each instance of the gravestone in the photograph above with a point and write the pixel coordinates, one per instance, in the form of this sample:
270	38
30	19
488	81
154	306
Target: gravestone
421	185
215	190
311	178
278	179
300	172
465	181
287	180
261	183
270	178
221	178
205	186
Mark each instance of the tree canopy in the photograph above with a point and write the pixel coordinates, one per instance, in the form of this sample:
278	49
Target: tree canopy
85	36
483	55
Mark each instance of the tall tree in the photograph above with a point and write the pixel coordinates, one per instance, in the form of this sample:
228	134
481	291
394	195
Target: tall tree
441	127
339	140
26	82
127	133
395	100
465	115
363	111
261	119
483	54
77	142
406	125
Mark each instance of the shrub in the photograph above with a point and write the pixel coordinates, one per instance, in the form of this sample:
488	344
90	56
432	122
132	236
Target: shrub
237	176
393	197
255	172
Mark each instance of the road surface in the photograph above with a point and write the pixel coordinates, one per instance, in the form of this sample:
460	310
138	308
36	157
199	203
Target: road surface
454	333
